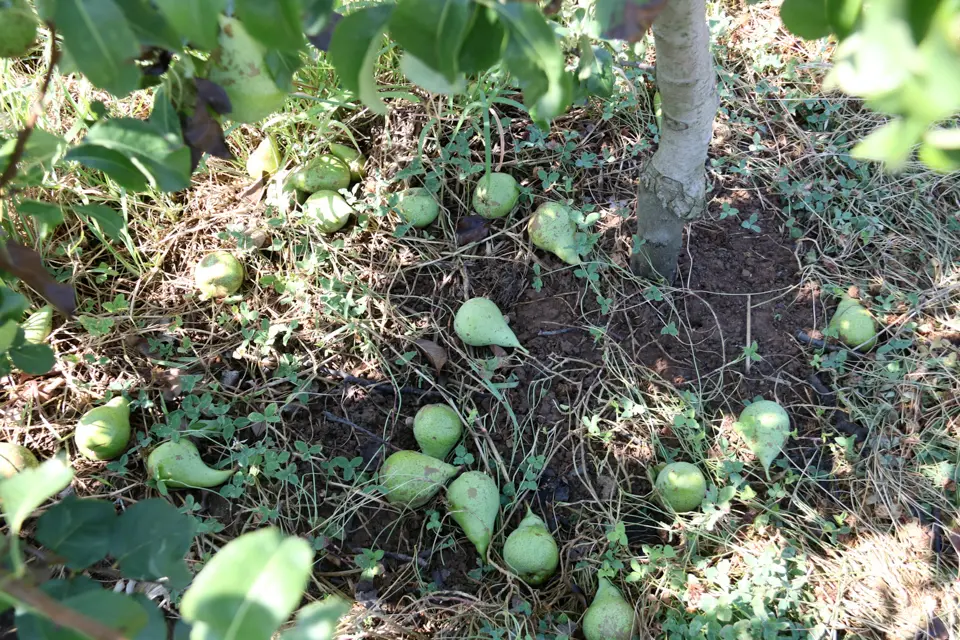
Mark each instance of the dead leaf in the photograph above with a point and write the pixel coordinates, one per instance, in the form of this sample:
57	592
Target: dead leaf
500	355
25	263
254	193
636	18
204	134
213	95
321	39
436	354
169	382
471	229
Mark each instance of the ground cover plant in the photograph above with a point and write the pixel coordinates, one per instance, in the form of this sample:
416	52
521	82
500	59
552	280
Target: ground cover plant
225	429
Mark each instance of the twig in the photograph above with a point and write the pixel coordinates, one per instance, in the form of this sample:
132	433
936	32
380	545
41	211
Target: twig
334	418
816	343
376	385
746	363
54	611
36	110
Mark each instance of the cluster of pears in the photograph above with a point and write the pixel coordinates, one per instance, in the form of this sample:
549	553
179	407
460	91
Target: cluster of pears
412	479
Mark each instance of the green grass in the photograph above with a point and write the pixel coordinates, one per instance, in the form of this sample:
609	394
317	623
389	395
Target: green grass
354	303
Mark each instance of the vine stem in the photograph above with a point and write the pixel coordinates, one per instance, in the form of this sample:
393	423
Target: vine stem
54	611
36	110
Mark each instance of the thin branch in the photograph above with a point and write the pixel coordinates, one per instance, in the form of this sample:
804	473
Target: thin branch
334	418
56	612
36	110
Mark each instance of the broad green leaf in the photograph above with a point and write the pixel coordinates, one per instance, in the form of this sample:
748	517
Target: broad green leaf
422	75
892	143
35	359
115	610
27	490
8	334
78	530
249	588
316	15
282	65
484	43
113	163
165	119
47	216
109	221
34	625
275	24
877	59
433	31
100	42
806	18
354	50
12	304
150	540
196	21
533	55
149	25
920	14
42	148
843	16
156	627
318	620
941	150
765	436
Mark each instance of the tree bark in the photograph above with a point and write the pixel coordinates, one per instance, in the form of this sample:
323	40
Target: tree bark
673	184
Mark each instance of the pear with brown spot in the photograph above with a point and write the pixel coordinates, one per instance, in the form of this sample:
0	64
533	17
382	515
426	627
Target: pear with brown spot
474	502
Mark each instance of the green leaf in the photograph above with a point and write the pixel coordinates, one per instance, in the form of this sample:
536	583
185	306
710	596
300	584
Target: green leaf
156	627
149	25
116	610
12	304
42	148
920	14
47	216
8	334
22	493
34	625
892	143
249	588
433	31
78	530
109	221
275	24
133	616
195	21
484	43
843	16
316	15
806	18
765	438
165	119
354	50
112	163
150	540
318	620
422	75
100	42
282	65
941	150
35	359
534	56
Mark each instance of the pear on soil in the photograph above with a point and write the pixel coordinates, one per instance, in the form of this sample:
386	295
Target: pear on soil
479	323
14	458
265	159
418	207
495	195
553	228
681	486
103	432
609	616
327	211
354	160
412	479
324	173
218	275
854	324
531	552
474	502
179	465
765	427
437	429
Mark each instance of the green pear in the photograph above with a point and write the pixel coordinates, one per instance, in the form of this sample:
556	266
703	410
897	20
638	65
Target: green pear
412	478
238	65
14	458
437	430
265	159
325	173
418	207
479	323
531	552
327	211
38	325
218	275
474	502
18	28
681	486
553	228
854	324
609	616
495	195
765	427
352	158
179	465
103	432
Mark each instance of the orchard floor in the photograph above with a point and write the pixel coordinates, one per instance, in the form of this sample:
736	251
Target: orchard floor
851	534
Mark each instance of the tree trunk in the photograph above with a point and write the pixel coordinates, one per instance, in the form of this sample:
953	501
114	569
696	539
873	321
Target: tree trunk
673	184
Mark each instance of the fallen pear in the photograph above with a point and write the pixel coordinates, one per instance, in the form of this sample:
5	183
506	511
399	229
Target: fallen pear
609	616
437	429
327	211
418	207
325	173
495	195
765	427
14	458
238	65
265	159
103	432
218	275
354	160
681	486
480	323
474	502
412	478
531	552
38	325
854	324
553	228
179	466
